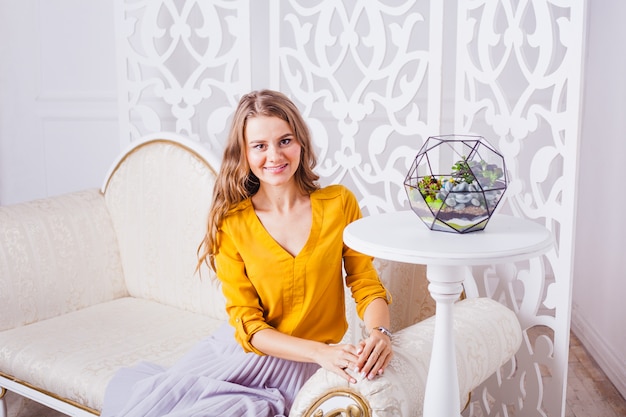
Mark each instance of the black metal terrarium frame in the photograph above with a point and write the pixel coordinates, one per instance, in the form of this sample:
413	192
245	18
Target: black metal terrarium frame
464	198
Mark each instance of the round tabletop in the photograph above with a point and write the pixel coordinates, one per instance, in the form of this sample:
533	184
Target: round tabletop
403	237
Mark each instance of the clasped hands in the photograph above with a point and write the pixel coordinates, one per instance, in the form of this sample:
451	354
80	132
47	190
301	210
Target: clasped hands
369	358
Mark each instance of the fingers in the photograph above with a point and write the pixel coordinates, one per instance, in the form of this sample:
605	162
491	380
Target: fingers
346	363
361	347
342	358
341	370
369	358
346	376
375	364
375	356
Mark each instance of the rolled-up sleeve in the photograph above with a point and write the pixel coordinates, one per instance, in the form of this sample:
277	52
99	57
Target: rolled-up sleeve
242	300
363	281
361	276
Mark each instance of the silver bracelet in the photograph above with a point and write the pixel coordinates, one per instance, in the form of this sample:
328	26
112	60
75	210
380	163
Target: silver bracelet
384	331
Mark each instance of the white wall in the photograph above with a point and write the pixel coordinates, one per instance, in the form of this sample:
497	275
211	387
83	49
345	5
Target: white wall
58	97
599	302
59	132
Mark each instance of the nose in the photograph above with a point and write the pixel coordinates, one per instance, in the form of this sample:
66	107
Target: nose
273	153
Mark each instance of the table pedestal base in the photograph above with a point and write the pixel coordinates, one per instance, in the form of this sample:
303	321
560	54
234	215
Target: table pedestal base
441	398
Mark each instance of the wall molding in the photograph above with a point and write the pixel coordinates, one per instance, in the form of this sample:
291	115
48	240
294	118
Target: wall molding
74	96
600	350
77	105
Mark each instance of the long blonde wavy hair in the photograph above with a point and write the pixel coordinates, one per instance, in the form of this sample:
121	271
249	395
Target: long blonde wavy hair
235	181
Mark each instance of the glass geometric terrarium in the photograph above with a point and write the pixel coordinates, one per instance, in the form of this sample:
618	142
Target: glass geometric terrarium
456	182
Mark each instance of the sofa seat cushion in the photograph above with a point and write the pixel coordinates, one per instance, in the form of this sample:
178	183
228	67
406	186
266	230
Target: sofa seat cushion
75	355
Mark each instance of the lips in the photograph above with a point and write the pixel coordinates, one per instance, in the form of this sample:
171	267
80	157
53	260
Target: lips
278	168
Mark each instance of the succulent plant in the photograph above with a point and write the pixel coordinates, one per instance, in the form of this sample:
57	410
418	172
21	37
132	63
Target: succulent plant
429	186
461	170
465	177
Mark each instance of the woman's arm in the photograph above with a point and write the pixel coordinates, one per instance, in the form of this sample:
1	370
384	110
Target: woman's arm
335	358
375	352
372	301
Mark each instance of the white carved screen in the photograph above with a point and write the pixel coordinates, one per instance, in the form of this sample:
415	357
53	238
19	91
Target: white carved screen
182	65
518	82
369	78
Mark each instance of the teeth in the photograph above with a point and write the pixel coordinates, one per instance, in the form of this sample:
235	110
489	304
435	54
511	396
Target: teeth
274	168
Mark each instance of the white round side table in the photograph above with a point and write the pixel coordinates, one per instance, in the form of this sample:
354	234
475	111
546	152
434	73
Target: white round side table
402	237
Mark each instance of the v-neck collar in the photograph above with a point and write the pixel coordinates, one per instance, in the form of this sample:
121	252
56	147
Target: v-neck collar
317	214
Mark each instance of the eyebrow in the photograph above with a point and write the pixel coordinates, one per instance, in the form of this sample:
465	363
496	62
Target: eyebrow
286	135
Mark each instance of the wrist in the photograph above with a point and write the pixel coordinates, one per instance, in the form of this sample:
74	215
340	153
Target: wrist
318	353
383	330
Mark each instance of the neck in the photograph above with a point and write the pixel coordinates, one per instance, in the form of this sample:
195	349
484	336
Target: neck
279	199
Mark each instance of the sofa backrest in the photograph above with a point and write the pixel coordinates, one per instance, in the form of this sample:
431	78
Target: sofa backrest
158	194
57	254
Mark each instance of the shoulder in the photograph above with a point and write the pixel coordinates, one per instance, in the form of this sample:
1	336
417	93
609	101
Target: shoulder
238	211
241	206
332	192
340	199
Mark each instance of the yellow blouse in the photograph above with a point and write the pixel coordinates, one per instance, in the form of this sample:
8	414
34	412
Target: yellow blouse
266	287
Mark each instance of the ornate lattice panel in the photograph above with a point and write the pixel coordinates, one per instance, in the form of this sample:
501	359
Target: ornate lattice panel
518	77
367	76
183	66
374	79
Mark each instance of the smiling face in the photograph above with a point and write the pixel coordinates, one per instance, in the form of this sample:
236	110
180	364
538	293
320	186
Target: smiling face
272	150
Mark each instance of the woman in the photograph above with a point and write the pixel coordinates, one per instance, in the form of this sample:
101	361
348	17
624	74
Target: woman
274	239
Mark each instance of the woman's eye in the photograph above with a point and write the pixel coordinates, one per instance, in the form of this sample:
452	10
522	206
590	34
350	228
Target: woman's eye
285	141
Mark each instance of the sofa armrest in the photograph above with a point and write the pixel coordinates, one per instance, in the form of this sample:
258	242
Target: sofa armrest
57	254
487	335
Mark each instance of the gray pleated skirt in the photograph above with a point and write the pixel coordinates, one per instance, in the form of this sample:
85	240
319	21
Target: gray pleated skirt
216	378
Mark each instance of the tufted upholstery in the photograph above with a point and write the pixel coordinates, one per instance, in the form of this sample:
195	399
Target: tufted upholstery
158	198
75	355
477	358
43	248
95	280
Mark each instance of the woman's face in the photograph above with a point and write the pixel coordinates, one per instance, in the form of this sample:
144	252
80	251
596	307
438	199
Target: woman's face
272	150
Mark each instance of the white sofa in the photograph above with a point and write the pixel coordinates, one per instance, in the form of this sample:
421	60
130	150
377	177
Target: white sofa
99	279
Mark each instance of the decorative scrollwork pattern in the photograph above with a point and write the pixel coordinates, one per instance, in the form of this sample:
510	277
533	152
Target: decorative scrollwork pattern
185	65
518	81
352	405
369	78
366	75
